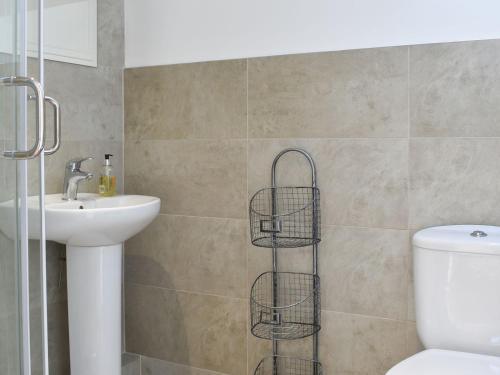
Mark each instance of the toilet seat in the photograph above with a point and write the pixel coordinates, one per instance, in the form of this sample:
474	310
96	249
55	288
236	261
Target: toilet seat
447	362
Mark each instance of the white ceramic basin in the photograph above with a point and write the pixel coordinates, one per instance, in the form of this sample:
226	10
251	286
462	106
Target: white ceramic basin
93	229
96	221
89	221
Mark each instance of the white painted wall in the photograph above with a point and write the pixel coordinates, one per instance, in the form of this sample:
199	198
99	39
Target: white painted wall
161	32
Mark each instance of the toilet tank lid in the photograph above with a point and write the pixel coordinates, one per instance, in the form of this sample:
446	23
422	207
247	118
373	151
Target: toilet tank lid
479	239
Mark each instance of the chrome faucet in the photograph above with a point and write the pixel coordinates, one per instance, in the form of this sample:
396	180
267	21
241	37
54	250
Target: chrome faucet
73	176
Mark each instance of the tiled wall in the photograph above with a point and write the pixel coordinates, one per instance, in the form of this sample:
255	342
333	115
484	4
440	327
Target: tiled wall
403	138
91	100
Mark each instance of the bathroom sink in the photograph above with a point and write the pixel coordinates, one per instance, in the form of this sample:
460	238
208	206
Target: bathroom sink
91	220
93	228
98	221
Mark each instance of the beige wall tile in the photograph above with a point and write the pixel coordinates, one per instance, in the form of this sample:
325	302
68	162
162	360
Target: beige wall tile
337	94
131	364
205	255
200	100
365	262
413	344
411	292
365	271
152	366
455	89
192	177
362	182
257	350
91	101
193	329
361	345
454	181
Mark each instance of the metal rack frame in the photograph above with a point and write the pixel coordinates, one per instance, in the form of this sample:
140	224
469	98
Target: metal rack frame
316	366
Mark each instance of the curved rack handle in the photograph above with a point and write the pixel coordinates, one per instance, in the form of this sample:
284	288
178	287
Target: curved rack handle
37	148
300	151
57	125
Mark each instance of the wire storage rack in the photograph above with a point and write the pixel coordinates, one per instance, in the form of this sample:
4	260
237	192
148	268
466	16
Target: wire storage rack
285	217
293	313
289	366
286	305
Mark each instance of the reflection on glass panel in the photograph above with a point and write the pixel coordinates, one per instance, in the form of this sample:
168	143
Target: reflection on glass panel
9	262
34	245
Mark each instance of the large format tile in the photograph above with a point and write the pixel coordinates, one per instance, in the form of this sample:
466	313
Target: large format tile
205	255
349	345
454	181
192	177
152	366
455	89
361	345
110	33
192	329
337	94
365	271
200	100
362	270
362	182
91	101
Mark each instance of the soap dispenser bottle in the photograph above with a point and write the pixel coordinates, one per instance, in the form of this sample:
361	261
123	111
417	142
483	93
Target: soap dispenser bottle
107	181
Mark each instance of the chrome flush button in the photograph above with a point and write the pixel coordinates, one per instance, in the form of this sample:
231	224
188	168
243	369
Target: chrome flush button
479	233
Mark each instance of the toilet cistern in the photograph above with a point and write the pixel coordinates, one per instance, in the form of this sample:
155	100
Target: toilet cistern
456	272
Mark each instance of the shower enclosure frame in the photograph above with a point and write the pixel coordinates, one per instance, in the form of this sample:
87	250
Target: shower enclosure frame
16	76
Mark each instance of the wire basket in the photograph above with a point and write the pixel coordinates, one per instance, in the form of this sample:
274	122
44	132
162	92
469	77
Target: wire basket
279	365
285	217
285	305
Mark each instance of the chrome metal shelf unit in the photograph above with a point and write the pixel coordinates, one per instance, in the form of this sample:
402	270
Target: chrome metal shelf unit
287	305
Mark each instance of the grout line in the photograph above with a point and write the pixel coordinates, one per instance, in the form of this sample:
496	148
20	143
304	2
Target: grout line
338	139
186	291
368	316
247	311
246	220
204	217
122	183
408	187
408	191
456	137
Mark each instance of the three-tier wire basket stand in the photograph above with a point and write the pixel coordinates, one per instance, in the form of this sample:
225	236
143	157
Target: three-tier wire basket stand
286	305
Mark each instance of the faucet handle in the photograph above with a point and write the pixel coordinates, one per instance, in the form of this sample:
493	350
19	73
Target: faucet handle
75	164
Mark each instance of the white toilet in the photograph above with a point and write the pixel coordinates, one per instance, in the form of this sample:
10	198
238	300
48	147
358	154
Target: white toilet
457	299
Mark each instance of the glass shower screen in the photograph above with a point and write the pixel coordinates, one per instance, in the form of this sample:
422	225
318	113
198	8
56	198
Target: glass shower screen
23	336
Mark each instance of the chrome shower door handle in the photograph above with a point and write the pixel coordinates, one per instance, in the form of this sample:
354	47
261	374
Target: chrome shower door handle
57	125
37	148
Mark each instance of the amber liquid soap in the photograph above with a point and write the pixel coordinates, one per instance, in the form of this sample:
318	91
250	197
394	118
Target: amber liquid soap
107	181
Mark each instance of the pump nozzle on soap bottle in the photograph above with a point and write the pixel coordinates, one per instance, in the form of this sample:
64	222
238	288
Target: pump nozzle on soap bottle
107	181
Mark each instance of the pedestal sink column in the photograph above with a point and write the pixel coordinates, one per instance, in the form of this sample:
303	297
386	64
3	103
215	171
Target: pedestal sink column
94	309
